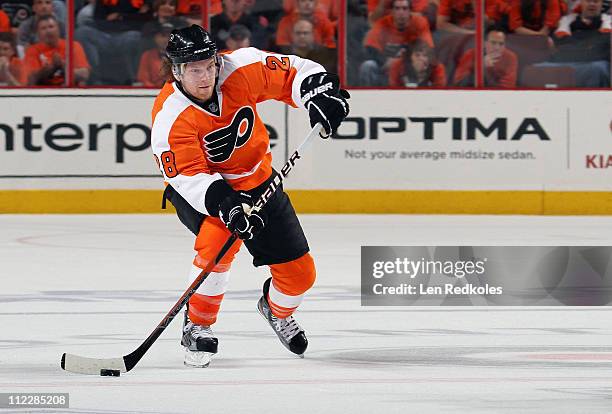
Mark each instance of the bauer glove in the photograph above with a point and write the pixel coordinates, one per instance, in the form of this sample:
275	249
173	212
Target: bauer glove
325	101
238	214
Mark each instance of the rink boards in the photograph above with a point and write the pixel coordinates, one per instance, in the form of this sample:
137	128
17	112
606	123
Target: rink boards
410	151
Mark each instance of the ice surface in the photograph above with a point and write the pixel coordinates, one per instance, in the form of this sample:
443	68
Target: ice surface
97	285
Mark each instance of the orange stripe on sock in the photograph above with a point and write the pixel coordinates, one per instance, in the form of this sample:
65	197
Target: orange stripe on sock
279	311
203	309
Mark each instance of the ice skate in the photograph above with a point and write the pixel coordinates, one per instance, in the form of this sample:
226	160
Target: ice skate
200	344
291	335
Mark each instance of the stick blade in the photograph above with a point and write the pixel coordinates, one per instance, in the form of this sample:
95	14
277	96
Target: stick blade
91	366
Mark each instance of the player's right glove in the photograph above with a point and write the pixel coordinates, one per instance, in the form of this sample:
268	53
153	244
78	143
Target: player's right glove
238	214
325	101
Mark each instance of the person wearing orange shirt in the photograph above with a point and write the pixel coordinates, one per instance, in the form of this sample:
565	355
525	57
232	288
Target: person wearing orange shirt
386	40
149	69
45	61
5	22
306	10
417	68
193	8
164	11
534	17
380	8
497	13
331	8
12	72
456	16
213	150
500	64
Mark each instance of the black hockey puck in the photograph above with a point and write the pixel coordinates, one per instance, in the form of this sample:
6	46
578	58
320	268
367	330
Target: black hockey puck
110	372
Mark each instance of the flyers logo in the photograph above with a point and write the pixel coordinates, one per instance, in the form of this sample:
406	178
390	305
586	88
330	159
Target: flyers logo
220	144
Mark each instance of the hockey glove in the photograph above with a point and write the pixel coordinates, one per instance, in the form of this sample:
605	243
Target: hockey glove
325	101
238	214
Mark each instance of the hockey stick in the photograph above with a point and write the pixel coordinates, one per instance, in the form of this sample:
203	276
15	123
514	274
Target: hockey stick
113	366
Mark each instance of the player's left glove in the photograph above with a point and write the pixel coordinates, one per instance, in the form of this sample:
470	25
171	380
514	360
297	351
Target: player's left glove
326	102
238	214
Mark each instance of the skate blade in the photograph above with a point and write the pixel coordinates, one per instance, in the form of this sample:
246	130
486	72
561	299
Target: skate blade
197	359
301	356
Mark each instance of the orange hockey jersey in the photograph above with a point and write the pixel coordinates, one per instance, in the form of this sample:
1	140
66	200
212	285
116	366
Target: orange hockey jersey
195	146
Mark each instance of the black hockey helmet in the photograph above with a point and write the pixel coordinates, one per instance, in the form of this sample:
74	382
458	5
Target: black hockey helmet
190	44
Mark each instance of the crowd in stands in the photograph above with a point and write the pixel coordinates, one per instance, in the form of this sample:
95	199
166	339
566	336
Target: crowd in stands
396	43
417	43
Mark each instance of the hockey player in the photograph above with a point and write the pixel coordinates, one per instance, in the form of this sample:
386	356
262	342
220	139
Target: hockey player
214	152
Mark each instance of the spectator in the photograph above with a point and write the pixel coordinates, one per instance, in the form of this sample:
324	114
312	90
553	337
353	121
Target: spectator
235	12
5	22
590	12
239	37
193	8
45	60
149	69
497	12
456	16
573	6
306	10
534	17
387	38
380	8
164	12
303	44
331	8
115	37
583	43
302	39
27	28
417	68
500	64
12	72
